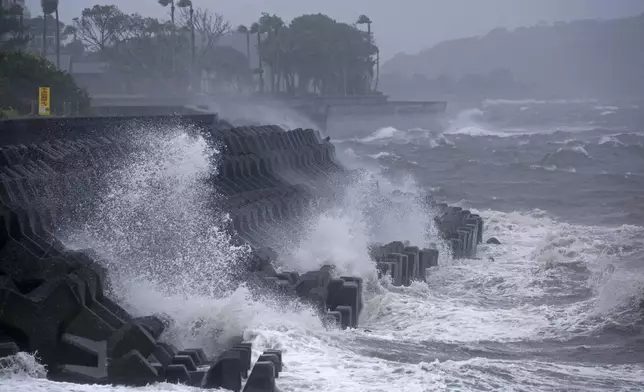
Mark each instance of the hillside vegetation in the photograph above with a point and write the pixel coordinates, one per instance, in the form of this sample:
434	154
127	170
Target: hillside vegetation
581	58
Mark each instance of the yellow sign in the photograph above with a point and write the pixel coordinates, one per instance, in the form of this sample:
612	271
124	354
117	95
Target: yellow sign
44	101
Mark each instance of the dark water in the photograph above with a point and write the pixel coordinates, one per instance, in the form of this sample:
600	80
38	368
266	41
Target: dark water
555	307
562	186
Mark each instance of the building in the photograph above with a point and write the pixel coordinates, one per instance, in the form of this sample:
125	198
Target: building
35	28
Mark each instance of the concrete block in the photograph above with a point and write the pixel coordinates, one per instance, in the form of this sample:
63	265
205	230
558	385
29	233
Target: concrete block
278	353
132	369
262	378
177	374
185	360
226	373
130	337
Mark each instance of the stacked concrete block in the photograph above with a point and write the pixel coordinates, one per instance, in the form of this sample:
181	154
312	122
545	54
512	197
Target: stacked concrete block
403	264
56	302
462	229
338	299
268	175
53	302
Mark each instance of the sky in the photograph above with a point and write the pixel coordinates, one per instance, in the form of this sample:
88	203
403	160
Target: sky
399	26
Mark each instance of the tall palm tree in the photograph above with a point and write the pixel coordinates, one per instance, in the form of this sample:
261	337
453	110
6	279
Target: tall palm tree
364	19
256	29
57	36
184	4
48	7
245	30
165	3
271	25
375	88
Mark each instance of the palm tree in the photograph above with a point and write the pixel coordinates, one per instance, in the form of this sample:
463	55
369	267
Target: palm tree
57	36
48	7
244	30
184	4
256	29
364	19
165	3
375	88
271	25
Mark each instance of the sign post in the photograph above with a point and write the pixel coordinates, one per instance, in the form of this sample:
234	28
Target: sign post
44	101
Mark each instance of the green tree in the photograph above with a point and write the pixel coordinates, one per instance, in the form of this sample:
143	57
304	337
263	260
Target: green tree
242	29
35	27
100	26
205	29
165	3
143	52
271	26
230	67
57	35
23	73
12	28
256	29
48	7
76	48
364	19
190	25
317	53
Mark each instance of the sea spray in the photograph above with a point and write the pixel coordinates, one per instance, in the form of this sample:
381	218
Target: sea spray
370	210
159	232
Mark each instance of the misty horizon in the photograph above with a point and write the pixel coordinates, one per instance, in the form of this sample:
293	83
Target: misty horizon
396	29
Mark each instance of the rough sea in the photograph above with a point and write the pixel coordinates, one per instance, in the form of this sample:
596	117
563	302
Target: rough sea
558	306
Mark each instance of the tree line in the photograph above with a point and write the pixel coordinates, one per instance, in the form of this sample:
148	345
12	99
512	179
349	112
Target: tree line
314	53
600	58
22	73
311	54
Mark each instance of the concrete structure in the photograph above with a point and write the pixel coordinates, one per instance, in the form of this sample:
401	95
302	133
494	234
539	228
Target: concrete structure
35	45
55	301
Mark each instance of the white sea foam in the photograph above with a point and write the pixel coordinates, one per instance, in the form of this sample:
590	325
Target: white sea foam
467	301
522	102
383	154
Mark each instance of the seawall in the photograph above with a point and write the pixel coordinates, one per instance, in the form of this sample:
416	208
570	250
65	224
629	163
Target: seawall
57	302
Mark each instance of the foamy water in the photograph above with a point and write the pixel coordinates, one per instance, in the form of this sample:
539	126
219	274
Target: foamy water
554	307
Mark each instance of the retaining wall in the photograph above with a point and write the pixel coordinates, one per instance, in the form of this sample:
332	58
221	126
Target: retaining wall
57	302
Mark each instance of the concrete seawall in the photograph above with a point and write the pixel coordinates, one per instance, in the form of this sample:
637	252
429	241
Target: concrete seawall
57	301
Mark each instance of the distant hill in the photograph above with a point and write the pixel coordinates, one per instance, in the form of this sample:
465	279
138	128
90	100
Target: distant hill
582	58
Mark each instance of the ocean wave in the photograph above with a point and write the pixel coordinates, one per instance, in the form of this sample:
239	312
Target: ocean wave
383	154
416	136
603	108
610	140
566	157
549	281
553	168
523	102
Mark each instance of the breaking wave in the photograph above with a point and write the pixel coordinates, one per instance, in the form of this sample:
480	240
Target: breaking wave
556	306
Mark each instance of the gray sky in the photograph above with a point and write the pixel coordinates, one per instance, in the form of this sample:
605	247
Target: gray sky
399	26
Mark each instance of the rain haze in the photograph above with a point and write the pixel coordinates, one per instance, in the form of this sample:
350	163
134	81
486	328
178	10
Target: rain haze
402	26
404	196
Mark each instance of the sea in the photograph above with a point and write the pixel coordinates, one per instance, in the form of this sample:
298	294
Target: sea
557	306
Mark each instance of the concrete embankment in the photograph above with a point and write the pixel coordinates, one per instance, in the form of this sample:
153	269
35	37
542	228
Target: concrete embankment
58	302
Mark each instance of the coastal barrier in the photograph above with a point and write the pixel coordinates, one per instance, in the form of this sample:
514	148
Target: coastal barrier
58	302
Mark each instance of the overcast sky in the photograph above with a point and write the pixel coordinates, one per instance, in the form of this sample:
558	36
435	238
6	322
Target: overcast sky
399	26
